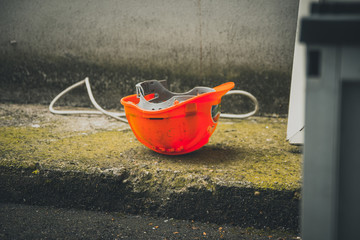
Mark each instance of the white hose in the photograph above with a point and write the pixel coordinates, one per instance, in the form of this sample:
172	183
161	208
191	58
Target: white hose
119	115
115	115
245	115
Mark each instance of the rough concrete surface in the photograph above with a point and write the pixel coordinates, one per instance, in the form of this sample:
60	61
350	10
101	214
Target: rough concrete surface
247	174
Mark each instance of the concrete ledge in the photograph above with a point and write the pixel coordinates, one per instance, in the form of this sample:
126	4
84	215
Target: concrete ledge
247	174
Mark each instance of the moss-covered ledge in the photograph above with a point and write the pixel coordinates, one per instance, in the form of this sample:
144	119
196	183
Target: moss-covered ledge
247	174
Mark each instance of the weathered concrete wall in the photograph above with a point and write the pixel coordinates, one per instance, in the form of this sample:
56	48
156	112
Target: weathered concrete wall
48	45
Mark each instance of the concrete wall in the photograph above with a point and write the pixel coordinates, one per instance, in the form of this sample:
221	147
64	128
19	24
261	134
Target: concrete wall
48	45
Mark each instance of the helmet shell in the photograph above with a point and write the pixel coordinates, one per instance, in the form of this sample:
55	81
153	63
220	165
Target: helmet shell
179	129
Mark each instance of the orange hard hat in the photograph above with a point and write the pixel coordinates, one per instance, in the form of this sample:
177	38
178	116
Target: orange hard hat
173	123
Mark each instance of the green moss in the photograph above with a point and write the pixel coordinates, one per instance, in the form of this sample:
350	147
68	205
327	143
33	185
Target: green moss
250	152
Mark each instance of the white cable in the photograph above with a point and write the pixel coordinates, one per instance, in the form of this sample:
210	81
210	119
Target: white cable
245	115
118	115
96	105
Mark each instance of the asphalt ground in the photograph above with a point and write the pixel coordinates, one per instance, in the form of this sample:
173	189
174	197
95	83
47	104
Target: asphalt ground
20	221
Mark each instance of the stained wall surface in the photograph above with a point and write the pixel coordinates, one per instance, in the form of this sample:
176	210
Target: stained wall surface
48	45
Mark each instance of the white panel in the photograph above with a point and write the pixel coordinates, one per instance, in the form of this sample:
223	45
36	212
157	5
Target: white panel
296	115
